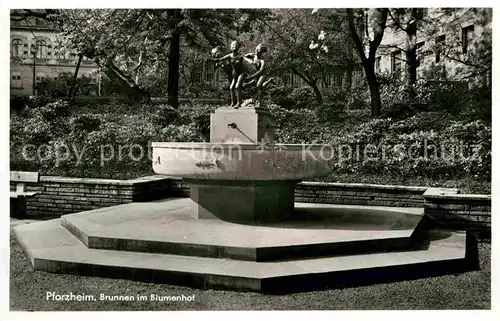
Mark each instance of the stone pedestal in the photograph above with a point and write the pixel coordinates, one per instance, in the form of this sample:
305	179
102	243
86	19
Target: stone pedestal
246	125
242	201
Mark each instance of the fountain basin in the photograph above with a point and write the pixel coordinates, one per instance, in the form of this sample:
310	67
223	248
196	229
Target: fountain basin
223	161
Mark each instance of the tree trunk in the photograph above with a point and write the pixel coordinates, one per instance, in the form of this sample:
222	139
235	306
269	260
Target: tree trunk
376	103
369	62
174	59
129	88
349	67
411	55
75	77
317	92
312	83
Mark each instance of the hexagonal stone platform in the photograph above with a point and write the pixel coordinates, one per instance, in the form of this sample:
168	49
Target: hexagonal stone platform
324	245
315	230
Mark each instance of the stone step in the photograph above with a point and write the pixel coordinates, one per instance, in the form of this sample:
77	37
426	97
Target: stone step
52	248
318	230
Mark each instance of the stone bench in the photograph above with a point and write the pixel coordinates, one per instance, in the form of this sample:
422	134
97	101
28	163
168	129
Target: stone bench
19	197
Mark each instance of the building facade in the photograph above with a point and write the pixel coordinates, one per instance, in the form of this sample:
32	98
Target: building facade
445	41
36	55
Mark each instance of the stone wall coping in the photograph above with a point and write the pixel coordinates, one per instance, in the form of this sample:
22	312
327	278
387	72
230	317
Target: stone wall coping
99	181
453	194
428	192
366	186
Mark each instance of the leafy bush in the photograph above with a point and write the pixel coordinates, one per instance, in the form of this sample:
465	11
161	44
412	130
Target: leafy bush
92	133
279	95
399	101
97	102
59	88
53	110
334	107
199	117
85	123
165	114
447	96
296	125
422	121
302	97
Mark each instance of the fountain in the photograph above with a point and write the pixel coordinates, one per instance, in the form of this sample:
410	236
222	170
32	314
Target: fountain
242	176
240	229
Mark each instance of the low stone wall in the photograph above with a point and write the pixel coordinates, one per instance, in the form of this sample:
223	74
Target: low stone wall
61	195
445	206
360	194
448	208
339	193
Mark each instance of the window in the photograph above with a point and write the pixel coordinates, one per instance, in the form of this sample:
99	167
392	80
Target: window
440	42
41	49
377	64
15	80
337	82
420	13
40	77
396	61
467	38
328	81
419	53
16	47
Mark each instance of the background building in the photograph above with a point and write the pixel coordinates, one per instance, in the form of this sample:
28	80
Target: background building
444	41
50	60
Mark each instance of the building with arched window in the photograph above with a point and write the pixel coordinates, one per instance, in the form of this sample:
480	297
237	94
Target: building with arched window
17	46
36	55
444	42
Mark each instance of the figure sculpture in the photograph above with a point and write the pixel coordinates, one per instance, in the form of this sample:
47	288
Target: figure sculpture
260	77
238	68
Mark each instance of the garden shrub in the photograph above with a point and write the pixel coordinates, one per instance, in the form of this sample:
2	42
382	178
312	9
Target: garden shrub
302	97
165	114
59	88
447	96
334	106
422	121
85	123
58	125
280	95
199	117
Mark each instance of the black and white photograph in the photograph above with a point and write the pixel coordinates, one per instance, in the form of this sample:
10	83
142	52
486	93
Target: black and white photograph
248	159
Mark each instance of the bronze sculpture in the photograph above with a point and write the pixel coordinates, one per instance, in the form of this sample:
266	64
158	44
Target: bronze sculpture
238	68
257	60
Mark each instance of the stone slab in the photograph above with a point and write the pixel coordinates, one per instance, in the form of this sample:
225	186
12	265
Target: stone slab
52	248
242	126
243	203
316	229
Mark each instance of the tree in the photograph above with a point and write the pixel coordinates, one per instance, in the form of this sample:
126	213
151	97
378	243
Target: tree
115	39
296	48
108	37
408	20
361	21
72	88
464	36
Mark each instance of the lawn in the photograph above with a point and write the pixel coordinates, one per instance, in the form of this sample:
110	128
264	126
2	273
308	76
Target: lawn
28	288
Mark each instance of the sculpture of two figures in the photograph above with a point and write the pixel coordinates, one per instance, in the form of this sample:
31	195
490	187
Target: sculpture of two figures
243	70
